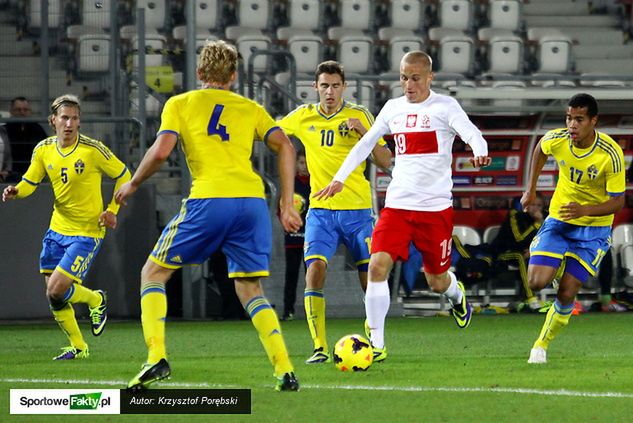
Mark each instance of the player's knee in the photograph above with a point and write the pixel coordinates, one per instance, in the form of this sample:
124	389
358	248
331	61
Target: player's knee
55	300
378	271
315	276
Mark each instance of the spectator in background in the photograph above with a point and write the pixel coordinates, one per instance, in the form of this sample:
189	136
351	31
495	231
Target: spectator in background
23	136
294	241
510	247
6	161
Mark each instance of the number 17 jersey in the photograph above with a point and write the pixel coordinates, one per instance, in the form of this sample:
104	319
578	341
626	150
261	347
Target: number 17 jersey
217	128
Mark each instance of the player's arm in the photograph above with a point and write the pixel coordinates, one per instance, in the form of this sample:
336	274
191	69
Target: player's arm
380	155
108	217
279	142
536	166
152	161
574	210
470	134
30	181
361	150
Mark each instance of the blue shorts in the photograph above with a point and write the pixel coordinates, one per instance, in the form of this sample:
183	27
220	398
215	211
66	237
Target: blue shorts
326	229
557	239
241	227
70	255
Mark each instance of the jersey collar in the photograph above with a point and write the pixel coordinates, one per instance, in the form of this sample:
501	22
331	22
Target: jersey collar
71	147
588	150
333	114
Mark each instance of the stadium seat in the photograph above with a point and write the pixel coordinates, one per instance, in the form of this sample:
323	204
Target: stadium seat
388	32
505	55
305	14
155	13
356	14
254	14
399	46
95	16
505	14
94	53
208	16
456	55
248	44
307	51
491	233
155	42
407	14
366	93
54	14
622	244
306	92
355	53
467	235
456	14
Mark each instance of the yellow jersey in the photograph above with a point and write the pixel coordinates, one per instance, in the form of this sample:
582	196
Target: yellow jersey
586	176
217	128
327	141
75	175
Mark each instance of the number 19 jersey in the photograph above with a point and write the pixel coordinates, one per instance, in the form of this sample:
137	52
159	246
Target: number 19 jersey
217	128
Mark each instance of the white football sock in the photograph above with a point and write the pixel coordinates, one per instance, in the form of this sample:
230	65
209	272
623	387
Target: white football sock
453	293
376	307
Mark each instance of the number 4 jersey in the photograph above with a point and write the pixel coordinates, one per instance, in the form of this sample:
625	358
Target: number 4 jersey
217	129
586	176
423	134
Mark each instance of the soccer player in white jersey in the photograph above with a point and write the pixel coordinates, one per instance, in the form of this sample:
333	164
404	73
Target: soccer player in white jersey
418	206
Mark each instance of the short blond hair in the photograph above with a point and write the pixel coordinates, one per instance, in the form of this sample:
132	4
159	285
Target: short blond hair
418	56
69	100
218	62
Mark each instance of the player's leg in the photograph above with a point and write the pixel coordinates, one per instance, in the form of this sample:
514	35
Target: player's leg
153	315
187	239
265	321
390	242
321	241
57	284
433	238
78	258
247	247
356	230
64	261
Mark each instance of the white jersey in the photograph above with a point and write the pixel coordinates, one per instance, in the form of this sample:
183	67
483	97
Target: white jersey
423	134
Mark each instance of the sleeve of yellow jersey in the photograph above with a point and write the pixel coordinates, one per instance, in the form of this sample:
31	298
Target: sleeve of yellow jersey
33	176
115	169
169	120
367	119
288	123
616	177
264	123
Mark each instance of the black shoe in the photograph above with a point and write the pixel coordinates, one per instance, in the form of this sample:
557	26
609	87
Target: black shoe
288	382
149	374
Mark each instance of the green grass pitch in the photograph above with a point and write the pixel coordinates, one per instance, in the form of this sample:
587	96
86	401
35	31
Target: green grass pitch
434	371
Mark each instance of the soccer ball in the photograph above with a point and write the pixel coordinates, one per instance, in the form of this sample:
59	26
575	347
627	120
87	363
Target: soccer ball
353	353
299	203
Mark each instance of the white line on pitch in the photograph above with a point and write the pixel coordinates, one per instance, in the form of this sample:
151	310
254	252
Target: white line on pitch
527	391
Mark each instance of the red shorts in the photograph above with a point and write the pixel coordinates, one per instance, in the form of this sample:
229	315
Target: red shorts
430	232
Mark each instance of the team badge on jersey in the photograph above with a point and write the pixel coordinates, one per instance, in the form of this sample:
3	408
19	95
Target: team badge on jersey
79	167
412	120
343	130
592	172
426	122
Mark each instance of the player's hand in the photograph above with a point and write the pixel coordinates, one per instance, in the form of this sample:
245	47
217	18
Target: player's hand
354	124
9	193
107	219
331	190
571	210
290	219
480	161
126	190
526	199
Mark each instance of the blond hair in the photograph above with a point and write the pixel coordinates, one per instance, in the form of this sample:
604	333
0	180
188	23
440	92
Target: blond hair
418	57
218	62
69	100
